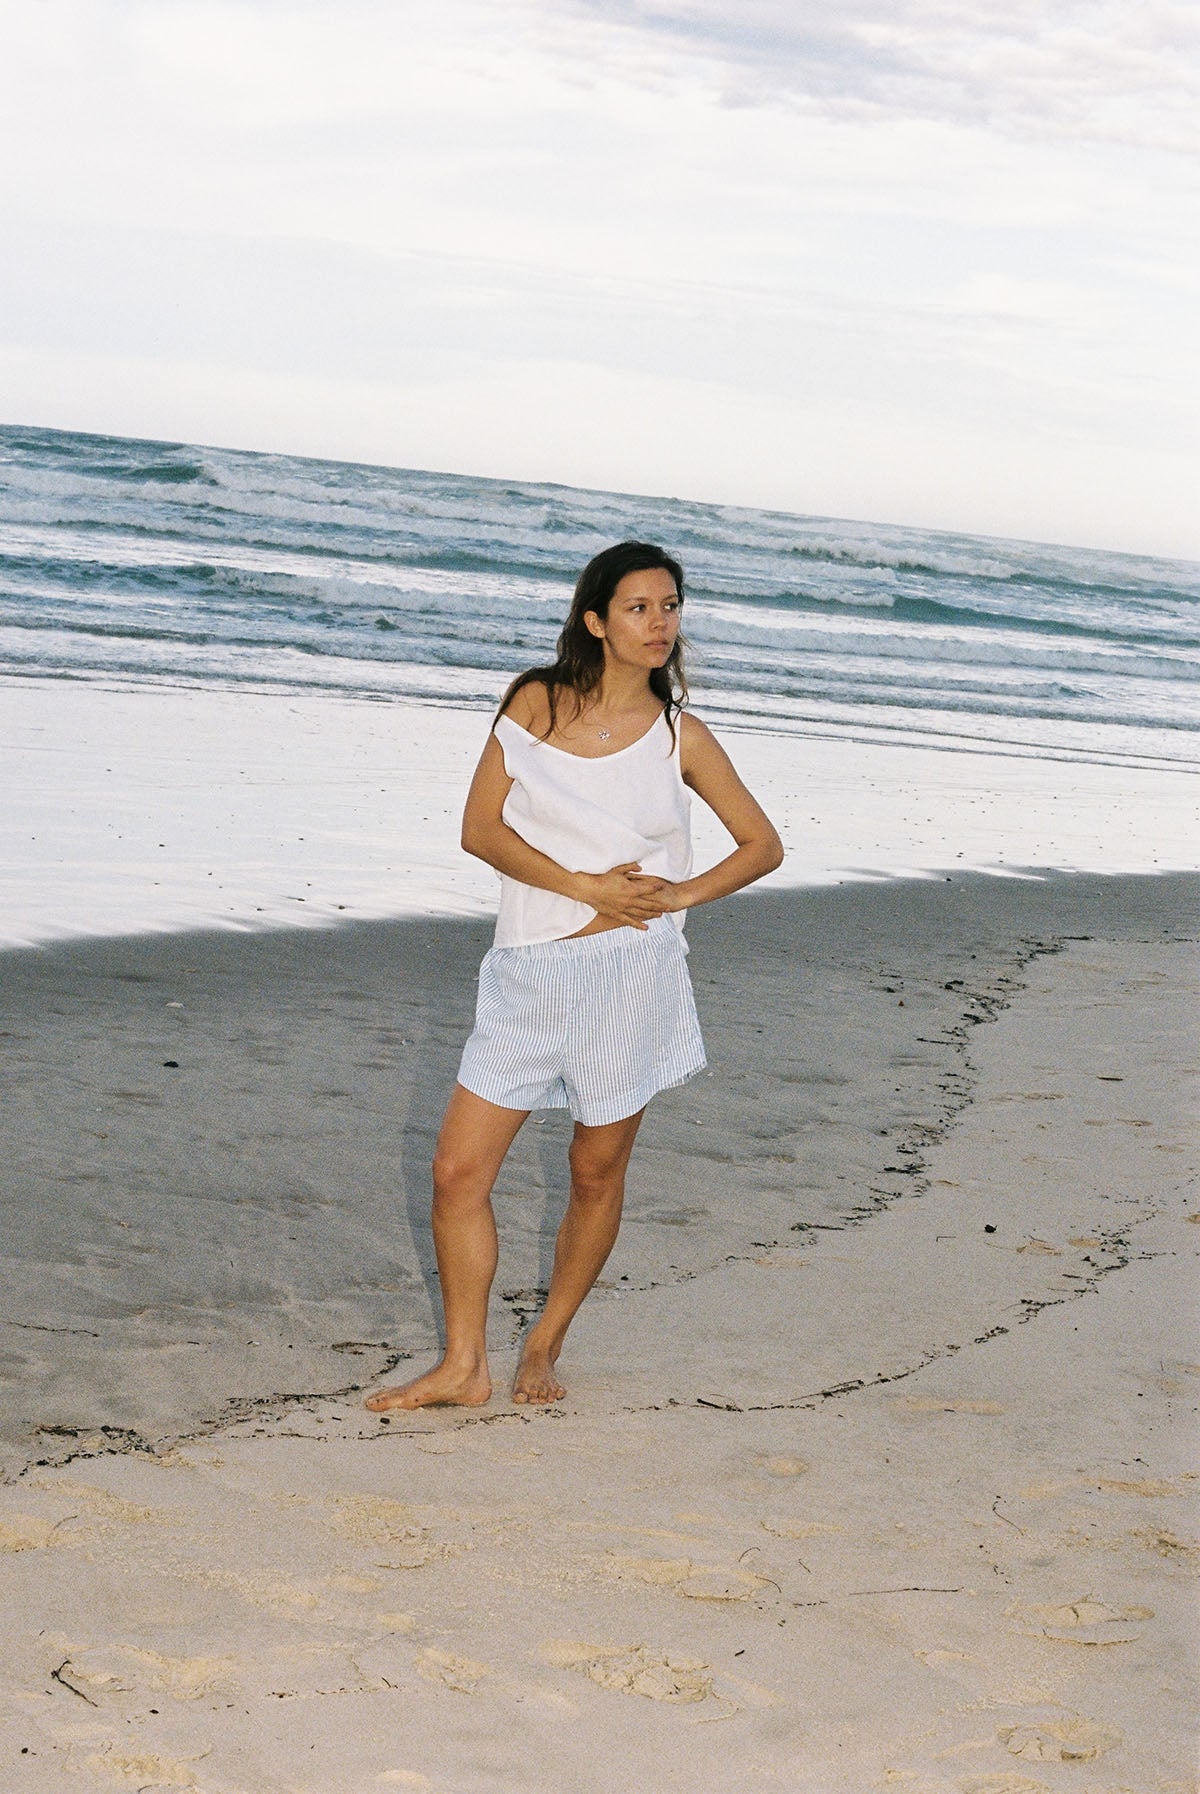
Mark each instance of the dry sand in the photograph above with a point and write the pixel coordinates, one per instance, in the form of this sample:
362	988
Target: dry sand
874	1471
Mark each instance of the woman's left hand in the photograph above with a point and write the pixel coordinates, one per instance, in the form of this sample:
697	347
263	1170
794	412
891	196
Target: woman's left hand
669	895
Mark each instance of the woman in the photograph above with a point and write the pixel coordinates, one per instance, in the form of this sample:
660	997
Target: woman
579	802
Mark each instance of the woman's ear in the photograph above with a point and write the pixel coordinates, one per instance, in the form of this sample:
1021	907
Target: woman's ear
593	624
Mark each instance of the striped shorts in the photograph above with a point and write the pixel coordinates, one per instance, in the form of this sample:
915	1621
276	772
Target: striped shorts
597	1024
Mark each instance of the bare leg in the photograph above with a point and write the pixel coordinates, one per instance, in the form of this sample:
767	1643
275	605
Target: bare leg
474	1138
599	1159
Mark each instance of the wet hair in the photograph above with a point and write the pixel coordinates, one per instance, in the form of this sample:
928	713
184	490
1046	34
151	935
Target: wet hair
580	654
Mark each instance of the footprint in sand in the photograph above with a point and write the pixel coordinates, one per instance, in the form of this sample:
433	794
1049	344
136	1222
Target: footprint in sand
1157	1538
100	1504
126	1669
141	1769
799	1529
25	1532
384	1524
372	1519
634	1669
698	1582
1005	1783
1069	1740
90	1672
659	1572
782	1465
277	1593
1083	1622
462	1674
706	1584
185	1678
1148	1486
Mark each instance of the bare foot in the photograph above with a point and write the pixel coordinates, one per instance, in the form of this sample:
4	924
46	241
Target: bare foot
535	1380
446	1385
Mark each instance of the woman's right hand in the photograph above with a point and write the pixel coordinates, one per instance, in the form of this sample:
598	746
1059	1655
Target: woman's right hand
623	894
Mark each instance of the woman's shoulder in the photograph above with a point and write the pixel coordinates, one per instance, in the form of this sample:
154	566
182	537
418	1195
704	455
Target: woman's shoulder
692	732
529	707
698	746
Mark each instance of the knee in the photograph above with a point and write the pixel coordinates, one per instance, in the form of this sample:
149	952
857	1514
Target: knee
597	1177
457	1180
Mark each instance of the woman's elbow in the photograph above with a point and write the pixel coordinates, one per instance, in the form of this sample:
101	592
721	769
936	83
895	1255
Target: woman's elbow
473	839
770	853
766	853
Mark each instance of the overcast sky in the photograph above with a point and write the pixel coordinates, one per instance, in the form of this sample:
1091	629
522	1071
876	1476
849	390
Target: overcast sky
920	261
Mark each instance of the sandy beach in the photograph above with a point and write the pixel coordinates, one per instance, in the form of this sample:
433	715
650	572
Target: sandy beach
877	1464
138	809
354	358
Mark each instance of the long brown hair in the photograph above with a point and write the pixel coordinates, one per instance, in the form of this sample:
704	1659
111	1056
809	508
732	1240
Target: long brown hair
580	661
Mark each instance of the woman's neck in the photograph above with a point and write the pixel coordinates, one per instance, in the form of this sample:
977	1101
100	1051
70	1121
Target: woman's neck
620	689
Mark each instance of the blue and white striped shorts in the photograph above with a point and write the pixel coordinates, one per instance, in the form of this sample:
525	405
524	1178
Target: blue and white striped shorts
597	1024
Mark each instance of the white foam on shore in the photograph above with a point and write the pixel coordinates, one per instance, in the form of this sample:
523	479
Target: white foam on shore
133	810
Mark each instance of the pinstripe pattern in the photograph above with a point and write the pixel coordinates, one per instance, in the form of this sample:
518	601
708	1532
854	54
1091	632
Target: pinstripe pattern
597	1025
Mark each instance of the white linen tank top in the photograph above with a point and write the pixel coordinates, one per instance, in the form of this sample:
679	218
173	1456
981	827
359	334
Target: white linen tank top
589	815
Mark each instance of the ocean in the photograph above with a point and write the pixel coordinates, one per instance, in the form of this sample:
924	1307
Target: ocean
150	564
247	690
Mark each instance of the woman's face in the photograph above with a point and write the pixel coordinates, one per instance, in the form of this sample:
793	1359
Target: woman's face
643	619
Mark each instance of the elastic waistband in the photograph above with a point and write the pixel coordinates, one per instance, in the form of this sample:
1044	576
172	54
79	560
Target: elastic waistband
596	946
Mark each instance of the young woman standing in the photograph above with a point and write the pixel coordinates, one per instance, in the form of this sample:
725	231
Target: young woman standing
580	802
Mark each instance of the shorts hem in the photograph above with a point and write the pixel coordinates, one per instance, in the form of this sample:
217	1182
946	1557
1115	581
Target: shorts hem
514	1099
588	1114
620	1108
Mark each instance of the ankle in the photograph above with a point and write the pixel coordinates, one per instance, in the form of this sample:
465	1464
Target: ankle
540	1342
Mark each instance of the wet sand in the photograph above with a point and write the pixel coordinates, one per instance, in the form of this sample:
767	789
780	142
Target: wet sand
135	810
875	1469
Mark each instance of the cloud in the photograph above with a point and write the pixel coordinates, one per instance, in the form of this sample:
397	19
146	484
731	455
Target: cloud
808	236
1099	70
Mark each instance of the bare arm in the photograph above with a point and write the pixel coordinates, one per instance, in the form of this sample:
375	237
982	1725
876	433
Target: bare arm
709	772
618	894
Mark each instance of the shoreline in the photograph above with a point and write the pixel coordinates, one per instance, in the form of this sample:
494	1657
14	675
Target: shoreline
876	1447
179	810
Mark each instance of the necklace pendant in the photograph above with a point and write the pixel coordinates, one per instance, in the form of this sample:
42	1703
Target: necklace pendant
604	734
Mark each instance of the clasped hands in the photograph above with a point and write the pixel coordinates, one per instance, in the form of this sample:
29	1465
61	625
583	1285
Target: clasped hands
627	894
